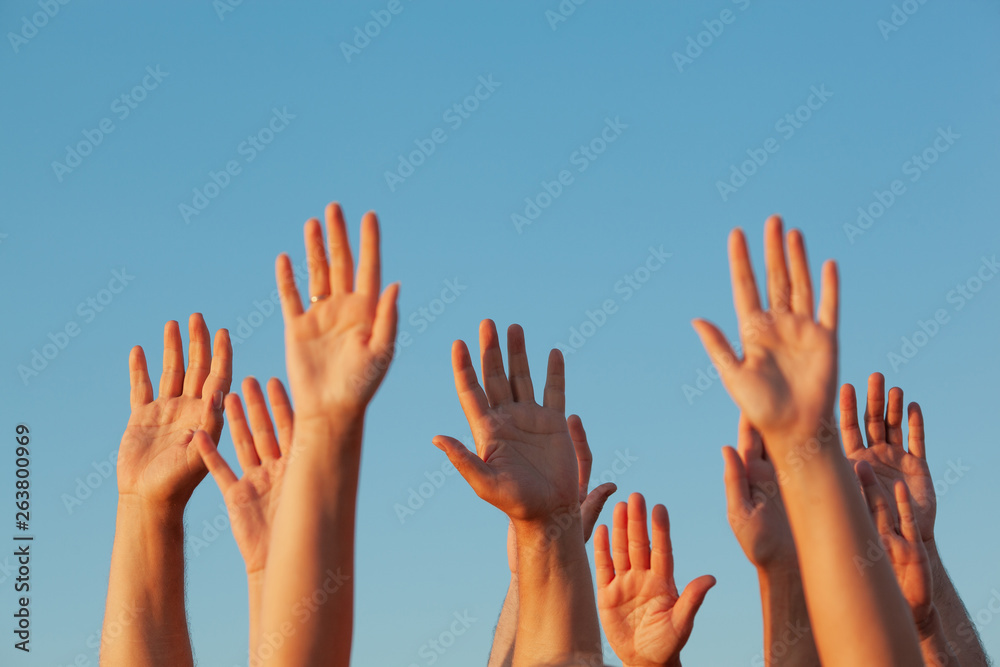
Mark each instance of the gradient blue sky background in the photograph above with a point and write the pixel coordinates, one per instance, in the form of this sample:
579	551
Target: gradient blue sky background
451	220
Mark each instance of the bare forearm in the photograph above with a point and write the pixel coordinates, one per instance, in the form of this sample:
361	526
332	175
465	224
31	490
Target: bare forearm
833	534
788	637
255	594
959	629
308	589
554	584
144	620
502	652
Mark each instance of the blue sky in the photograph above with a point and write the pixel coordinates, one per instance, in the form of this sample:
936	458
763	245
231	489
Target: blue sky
620	144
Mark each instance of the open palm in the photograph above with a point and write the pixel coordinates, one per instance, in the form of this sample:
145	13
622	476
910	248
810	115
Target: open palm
890	461
338	350
156	461
644	618
525	463
253	498
786	381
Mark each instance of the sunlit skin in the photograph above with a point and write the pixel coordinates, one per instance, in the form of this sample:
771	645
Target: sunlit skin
786	385
647	622
525	465
158	470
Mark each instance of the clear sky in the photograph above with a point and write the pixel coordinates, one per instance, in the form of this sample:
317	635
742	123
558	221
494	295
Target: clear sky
121	120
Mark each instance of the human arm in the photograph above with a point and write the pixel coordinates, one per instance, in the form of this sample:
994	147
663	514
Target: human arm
757	517
337	353
158	469
525	466
785	384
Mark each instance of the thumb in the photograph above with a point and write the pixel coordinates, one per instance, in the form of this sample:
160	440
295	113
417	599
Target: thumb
690	601
590	509
472	468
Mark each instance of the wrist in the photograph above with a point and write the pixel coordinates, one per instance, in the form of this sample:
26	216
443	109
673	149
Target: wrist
153	513
930	625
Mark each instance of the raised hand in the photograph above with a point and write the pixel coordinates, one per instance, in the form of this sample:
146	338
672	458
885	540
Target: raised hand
645	620
786	382
525	462
899	534
339	349
754	506
156	462
885	453
253	498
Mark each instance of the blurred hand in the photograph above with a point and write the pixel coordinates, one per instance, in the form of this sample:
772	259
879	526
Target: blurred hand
885	453
156	462
786	382
645	620
339	350
253	498
755	509
902	541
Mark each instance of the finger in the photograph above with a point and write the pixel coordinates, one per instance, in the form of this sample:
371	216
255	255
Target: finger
584	458
291	303
850	430
875	409
802	291
894	417
604	566
718	348
778	288
220	379
916	427
520	376
738	499
471	396
319	269
907	518
491	358
199	356
619	537
264	442
172	379
638	533
284	416
369	280
221	472
878	503
472	468
383	338
829	296
138	375
748	441
746	298
341	260
690	602
662	556
239	429
554	396
593	504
